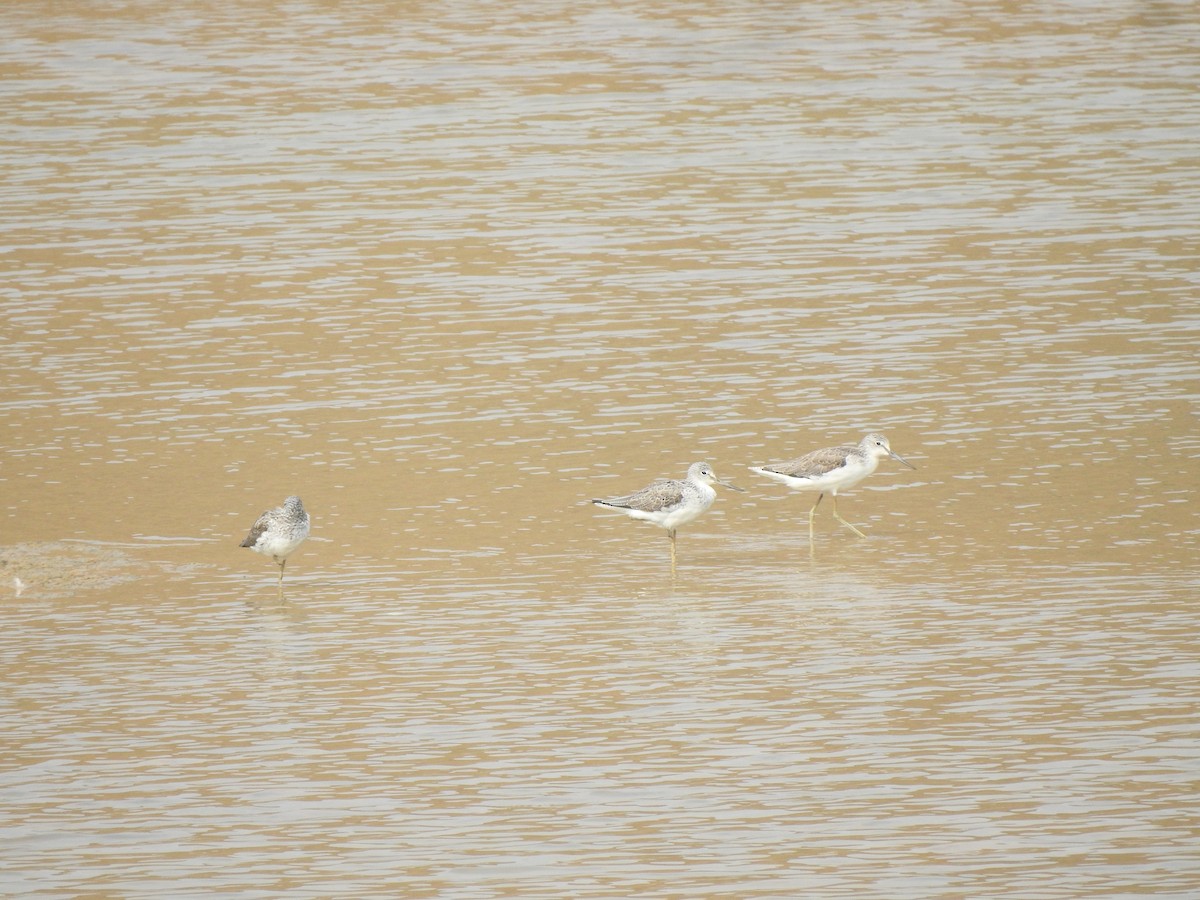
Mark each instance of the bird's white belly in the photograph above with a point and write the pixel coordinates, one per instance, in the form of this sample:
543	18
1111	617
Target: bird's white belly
279	544
684	514
835	479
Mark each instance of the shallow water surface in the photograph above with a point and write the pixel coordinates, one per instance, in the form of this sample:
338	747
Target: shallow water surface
448	275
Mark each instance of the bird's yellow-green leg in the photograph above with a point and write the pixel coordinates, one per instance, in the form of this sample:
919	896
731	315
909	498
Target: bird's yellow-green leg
843	521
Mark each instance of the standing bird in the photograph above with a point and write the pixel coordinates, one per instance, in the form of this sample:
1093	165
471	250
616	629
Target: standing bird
671	503
831	470
278	532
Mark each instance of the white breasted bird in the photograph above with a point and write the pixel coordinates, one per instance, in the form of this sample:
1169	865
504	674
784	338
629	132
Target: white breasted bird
669	503
830	470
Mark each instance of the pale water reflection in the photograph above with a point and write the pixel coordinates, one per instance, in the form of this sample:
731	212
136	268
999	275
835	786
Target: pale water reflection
448	273
772	737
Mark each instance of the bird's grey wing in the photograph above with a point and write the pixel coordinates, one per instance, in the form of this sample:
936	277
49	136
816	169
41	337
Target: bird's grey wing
256	530
662	494
811	464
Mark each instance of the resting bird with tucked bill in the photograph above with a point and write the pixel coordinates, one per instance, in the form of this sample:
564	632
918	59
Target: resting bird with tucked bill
278	532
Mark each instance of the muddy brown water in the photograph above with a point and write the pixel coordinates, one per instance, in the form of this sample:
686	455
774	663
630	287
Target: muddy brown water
450	271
